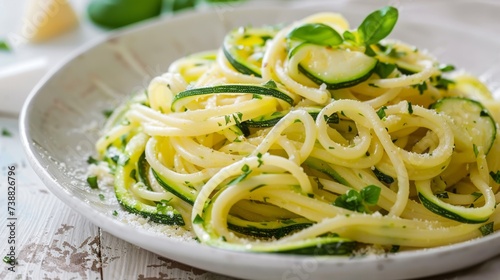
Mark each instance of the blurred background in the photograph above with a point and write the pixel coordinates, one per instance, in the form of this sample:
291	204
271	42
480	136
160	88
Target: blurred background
36	35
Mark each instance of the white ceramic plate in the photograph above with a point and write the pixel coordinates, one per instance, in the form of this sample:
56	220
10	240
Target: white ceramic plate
61	119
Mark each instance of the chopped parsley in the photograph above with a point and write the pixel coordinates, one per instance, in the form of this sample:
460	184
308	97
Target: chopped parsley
475	149
381	112
446	67
198	219
410	108
91	160
383	70
6	132
107	113
333	118
162	205
92	181
443	83
487	229
421	87
495	176
394	249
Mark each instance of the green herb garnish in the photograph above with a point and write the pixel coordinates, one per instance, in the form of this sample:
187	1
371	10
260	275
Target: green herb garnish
383	70
92	181
475	149
487	229
446	67
107	113
410	108
91	160
359	201
381	112
317	34
198	219
495	176
378	25
6	133
162	205
443	83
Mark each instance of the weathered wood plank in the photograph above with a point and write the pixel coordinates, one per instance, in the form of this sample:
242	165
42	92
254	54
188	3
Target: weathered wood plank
122	260
51	240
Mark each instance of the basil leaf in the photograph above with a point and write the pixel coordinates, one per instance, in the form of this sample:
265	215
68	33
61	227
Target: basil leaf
349	36
316	33
369	51
377	25
359	201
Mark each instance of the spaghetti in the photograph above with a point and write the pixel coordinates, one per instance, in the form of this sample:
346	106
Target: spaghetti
312	138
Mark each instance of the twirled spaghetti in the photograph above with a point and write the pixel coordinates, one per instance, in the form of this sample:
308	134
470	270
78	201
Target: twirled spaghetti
312	138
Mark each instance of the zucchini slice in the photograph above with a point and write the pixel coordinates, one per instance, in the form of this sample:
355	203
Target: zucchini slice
244	48
142	171
458	213
130	203
318	246
325	168
269	229
268	89
336	68
472	116
270	120
332	246
182	191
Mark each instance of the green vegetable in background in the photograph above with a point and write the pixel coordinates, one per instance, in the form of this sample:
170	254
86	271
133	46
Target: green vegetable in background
176	5
118	13
4	46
